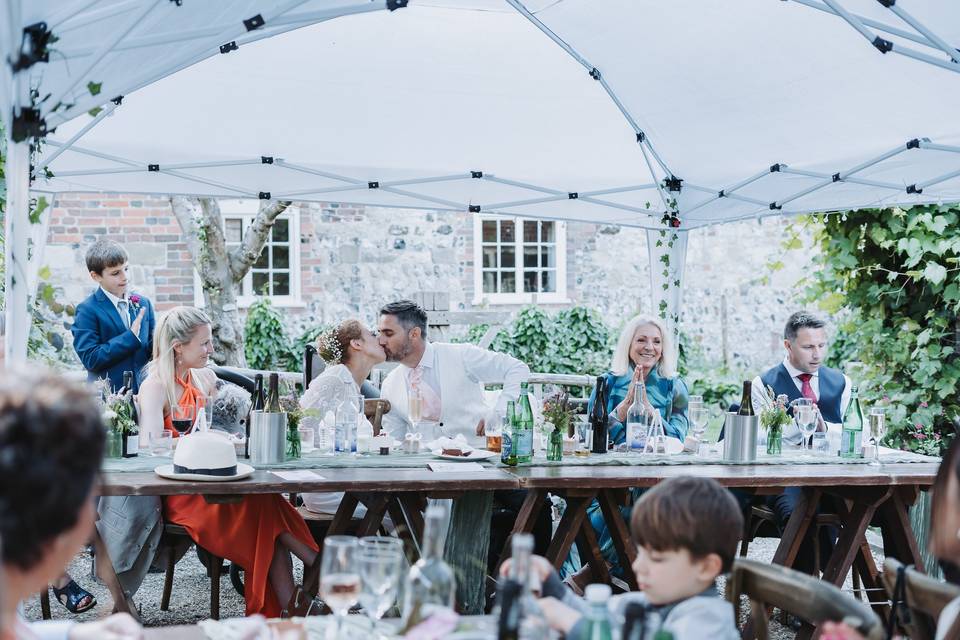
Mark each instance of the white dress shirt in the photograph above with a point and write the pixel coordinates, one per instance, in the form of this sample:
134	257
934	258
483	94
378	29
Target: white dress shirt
114	300
790	432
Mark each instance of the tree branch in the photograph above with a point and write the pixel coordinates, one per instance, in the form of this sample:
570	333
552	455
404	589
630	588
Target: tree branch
243	257
184	209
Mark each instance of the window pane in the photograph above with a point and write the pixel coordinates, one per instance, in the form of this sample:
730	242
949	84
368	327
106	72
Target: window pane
281	230
489	281
261	284
489	257
549	281
548	231
507	231
489	230
281	284
508	257
529	281
263	261
508	282
530	257
281	257
530	231
548	257
233	228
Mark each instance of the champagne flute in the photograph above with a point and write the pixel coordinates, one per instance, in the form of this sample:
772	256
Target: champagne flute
415	406
806	416
380	562
877	424
339	580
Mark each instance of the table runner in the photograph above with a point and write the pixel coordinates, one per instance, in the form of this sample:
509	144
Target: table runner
398	460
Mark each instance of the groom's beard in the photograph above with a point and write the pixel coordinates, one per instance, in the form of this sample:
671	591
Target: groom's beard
397	356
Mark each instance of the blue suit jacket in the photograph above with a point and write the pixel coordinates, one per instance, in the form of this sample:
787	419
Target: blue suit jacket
105	346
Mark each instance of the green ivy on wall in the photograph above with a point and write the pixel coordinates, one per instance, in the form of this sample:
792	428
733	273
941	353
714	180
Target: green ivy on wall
890	277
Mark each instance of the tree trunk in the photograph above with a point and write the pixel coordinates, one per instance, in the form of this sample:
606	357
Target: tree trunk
222	271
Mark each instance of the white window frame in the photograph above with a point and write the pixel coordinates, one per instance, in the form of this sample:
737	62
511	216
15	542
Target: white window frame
246	210
557	297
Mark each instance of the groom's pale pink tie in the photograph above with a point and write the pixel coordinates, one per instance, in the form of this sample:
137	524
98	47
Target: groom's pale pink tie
429	400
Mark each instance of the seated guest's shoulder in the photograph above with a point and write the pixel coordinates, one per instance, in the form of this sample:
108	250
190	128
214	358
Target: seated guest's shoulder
703	616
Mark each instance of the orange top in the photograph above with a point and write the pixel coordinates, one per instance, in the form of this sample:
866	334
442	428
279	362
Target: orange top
192	397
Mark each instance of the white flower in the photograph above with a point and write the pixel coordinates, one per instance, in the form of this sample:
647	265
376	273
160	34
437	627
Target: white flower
109	416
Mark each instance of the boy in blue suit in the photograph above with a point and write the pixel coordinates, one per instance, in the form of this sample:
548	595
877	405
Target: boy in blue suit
113	329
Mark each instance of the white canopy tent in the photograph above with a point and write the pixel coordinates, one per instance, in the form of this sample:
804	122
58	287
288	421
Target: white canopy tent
616	111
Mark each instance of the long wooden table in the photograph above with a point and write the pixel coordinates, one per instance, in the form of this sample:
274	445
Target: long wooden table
867	491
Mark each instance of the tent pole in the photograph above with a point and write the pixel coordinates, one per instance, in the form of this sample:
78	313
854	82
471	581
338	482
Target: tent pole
16	233
667	301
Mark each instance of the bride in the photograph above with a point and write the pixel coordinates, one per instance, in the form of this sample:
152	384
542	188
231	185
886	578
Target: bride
353	351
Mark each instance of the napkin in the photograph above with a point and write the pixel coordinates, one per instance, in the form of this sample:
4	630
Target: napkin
458	442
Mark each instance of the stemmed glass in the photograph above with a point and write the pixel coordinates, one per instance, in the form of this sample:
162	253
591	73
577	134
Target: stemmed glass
182	417
806	417
697	415
876	420
380	562
415	407
339	580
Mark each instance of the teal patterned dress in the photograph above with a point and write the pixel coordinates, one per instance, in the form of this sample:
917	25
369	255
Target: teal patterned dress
670	397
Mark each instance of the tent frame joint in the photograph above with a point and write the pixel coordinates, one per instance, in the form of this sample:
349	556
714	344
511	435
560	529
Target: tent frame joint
27	124
33	47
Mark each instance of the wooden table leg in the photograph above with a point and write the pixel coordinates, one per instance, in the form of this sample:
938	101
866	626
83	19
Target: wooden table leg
573	518
341	519
106	572
589	549
894	516
376	509
797	526
854	526
526	519
622	542
413	506
411	545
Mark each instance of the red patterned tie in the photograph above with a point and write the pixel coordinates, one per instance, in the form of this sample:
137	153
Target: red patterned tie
806	390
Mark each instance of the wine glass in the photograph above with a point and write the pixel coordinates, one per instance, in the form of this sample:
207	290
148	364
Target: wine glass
182	417
415	406
698	421
380	562
339	580
876	420
806	417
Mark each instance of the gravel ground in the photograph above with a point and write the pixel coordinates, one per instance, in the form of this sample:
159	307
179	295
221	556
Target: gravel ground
190	601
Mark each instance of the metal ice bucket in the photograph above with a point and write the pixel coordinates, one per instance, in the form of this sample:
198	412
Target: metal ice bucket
740	438
268	437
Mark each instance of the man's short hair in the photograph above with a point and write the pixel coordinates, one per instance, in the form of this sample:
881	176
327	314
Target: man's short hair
696	514
51	445
408	313
801	320
104	254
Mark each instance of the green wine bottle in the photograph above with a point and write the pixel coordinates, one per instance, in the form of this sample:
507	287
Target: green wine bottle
523	434
851	438
508	445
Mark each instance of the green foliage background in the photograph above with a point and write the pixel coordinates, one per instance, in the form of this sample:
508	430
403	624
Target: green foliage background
267	344
891	278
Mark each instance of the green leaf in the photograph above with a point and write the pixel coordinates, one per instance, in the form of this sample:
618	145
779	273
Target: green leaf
38	210
94	87
923	337
935	273
94	112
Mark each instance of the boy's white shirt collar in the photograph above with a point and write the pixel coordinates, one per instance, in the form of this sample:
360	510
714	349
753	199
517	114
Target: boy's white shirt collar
112	298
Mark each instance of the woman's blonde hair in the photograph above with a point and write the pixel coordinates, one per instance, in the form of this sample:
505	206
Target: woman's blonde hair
620	364
177	326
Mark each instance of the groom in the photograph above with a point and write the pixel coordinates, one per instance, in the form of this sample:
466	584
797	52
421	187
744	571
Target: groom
113	329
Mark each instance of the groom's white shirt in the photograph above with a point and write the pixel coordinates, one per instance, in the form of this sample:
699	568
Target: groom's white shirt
460	369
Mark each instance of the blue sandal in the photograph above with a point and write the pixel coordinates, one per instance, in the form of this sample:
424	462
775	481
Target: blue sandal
72	596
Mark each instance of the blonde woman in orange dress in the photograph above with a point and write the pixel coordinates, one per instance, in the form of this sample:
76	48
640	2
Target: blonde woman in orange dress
259	533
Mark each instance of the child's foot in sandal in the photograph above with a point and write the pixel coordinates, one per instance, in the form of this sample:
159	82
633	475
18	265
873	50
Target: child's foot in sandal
75	598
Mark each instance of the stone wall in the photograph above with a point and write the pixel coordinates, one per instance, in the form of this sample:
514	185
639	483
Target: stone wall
354	259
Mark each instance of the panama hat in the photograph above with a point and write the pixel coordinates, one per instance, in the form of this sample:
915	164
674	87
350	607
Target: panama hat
206	456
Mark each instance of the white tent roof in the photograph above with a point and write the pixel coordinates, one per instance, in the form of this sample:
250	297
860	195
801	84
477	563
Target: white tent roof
760	107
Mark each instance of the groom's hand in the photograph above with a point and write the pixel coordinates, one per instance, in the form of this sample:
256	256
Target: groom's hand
135	325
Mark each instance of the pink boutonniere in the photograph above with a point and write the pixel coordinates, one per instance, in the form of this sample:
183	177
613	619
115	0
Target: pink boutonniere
135	302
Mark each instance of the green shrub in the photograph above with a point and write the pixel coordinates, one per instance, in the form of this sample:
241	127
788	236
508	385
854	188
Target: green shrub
264	338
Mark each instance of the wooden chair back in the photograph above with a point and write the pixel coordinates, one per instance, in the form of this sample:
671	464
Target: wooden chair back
804	596
374	410
925	597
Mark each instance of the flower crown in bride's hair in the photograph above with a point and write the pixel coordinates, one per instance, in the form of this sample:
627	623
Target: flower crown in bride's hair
328	347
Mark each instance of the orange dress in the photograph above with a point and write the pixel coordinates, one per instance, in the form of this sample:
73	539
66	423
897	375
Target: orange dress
244	533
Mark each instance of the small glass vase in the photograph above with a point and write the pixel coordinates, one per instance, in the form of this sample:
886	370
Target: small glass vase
293	442
774	441
114	447
555	445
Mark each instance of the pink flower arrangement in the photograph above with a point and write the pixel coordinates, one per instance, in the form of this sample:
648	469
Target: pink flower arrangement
135	300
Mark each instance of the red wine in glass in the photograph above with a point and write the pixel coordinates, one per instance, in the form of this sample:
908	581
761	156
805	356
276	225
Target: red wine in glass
182	426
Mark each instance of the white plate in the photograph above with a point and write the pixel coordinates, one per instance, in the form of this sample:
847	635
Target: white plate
166	471
475	454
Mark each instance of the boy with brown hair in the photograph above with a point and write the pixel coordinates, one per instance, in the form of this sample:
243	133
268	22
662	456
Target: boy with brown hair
686	530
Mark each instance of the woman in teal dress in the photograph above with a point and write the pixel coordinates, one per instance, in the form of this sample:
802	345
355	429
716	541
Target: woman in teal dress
645	350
